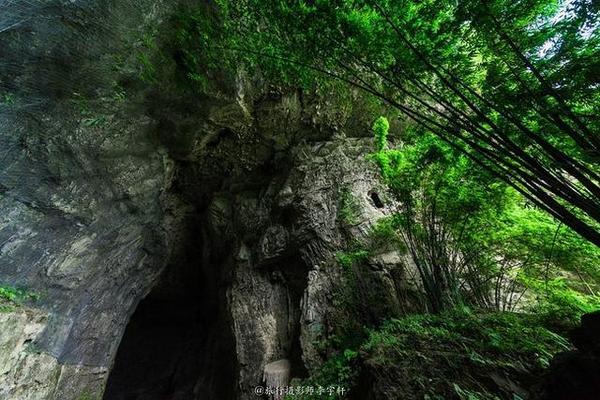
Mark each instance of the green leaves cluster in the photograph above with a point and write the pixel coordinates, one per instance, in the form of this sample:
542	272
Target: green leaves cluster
11	297
340	370
453	208
347	259
557	304
514	85
381	128
10	293
349	208
7	99
200	41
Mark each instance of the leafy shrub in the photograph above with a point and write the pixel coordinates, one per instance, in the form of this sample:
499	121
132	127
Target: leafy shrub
10	293
384	236
348	259
381	128
430	356
340	370
558	306
11	296
7	99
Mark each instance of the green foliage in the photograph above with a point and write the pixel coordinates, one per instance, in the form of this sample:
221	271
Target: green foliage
348	259
381	128
339	370
445	203
524	230
119	94
557	305
511	84
10	293
454	353
94	122
353	311
8	99
482	220
385	236
11	297
349	208
465	394
148	55
432	355
493	333
147	71
197	36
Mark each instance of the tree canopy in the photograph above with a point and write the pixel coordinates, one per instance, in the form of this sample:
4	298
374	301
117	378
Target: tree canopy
513	85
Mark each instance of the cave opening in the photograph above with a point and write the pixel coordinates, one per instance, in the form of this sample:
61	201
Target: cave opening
377	200
178	344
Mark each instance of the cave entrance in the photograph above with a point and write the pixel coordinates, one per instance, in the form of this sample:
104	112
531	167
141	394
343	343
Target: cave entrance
177	345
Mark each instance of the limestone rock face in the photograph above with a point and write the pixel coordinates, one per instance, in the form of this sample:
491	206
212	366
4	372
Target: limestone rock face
80	180
26	374
177	244
285	236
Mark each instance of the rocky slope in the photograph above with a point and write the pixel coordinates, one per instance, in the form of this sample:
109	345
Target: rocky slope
175	245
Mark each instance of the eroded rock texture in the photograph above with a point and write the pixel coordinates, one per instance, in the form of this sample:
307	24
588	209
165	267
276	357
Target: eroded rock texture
176	244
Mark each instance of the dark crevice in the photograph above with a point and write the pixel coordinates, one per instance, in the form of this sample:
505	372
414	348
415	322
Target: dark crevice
376	200
177	345
295	278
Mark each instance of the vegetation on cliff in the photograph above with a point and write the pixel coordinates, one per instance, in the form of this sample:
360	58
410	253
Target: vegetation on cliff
502	284
495	170
510	84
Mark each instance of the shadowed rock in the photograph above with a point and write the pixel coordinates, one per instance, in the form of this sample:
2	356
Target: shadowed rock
277	376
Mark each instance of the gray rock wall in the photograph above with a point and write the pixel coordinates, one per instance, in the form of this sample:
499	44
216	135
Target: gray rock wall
80	183
105	183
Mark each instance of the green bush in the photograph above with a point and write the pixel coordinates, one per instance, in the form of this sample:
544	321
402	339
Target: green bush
11	297
384	236
381	128
10	293
348	259
557	305
340	370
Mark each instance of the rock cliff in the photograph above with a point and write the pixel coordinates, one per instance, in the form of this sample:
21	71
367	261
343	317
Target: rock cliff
174	245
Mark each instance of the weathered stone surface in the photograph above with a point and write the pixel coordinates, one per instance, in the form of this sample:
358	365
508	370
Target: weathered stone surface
31	374
26	374
80	184
110	191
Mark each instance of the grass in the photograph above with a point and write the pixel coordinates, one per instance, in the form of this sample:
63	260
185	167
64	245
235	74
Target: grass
458	353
